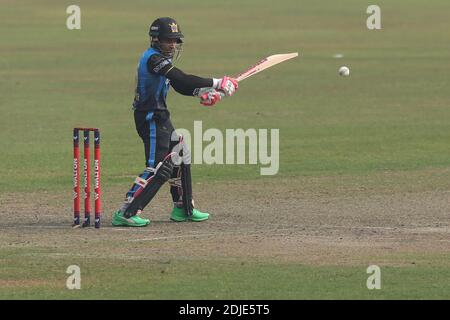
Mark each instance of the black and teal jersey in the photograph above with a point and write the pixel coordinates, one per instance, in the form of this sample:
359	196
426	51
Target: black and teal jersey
152	84
155	75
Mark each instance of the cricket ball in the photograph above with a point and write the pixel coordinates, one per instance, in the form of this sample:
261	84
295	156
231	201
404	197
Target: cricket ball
344	71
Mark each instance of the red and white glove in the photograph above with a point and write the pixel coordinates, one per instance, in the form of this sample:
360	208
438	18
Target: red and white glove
209	96
226	84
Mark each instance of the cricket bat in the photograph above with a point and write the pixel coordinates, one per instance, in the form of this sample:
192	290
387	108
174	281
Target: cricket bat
265	63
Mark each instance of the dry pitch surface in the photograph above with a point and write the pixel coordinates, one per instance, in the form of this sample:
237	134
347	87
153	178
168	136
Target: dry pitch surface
315	221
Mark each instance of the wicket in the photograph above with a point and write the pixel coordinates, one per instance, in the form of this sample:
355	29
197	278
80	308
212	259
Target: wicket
87	177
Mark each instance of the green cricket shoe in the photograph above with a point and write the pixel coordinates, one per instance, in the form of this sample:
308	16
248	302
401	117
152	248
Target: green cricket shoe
178	215
118	220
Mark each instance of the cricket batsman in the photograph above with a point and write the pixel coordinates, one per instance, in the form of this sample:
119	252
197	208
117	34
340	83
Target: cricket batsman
156	73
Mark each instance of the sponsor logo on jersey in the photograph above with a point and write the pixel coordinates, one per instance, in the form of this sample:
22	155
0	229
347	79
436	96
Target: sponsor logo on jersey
161	65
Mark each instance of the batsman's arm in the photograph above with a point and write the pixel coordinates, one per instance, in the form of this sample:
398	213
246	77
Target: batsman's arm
183	83
187	84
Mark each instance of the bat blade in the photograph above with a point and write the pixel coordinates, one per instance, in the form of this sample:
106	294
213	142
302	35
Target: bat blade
265	63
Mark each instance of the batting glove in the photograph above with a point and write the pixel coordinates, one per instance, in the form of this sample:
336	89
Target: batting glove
210	96
226	84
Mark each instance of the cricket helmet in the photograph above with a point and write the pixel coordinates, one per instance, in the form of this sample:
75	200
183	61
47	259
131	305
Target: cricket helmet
162	29
166	28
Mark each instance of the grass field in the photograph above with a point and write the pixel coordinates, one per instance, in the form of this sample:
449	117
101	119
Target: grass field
364	173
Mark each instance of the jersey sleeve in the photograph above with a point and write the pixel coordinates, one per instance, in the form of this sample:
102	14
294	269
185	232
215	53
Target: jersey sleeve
183	83
187	84
158	64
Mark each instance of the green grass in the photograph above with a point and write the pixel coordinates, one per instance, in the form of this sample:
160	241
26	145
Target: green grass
391	114
45	278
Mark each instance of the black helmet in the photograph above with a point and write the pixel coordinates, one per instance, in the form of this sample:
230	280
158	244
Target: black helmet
166	28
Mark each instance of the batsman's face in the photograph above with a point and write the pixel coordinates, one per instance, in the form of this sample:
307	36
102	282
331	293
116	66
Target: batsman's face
170	47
